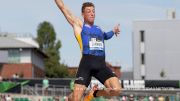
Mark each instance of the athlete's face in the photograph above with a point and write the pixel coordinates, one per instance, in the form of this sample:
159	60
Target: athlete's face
89	15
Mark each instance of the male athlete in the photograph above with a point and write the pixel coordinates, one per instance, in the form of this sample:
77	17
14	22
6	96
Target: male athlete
91	41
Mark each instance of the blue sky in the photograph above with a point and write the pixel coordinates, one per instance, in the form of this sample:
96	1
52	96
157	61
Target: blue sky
23	16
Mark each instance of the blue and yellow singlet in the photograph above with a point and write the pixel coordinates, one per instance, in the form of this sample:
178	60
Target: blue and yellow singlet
91	40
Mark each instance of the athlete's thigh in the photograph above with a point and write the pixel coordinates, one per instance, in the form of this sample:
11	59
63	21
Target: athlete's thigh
113	82
83	75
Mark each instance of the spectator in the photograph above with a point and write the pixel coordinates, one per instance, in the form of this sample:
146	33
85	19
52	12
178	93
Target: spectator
161	98
131	97
151	98
72	85
45	86
15	76
124	98
8	98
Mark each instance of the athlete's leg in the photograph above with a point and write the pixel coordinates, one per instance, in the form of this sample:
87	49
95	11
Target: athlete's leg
110	80
113	88
77	93
83	78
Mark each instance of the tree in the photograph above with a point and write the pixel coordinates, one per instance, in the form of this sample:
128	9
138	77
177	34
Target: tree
162	73
46	37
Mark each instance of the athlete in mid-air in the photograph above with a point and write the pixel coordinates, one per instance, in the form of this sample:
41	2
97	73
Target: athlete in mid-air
91	41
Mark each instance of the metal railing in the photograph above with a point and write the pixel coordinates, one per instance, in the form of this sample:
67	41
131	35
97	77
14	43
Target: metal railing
52	90
28	90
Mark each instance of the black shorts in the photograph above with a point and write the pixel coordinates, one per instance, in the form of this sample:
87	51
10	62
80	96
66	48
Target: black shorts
93	66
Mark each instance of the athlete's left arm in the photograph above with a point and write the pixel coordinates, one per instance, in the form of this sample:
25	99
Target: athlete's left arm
110	34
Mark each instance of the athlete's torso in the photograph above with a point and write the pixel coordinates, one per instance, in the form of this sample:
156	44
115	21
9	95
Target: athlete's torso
91	40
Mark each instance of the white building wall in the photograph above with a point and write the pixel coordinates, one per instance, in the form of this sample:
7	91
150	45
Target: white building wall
162	49
136	54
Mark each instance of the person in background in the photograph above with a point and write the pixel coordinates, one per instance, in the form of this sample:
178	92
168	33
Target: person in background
45	86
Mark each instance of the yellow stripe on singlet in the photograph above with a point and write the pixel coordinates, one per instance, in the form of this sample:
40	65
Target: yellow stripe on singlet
79	39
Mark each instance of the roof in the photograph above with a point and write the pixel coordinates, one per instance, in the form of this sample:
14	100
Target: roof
15	42
11	42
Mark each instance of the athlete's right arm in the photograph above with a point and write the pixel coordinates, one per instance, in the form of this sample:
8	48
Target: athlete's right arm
73	20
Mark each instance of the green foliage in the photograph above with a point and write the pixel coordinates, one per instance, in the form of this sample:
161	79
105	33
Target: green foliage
162	73
46	37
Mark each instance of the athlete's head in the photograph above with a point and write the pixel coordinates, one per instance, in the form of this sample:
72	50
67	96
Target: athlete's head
88	12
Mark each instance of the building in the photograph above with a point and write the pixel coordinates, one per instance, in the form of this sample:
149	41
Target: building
20	56
127	75
156	49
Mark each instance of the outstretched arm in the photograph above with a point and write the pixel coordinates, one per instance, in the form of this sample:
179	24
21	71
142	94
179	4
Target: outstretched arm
116	31
73	20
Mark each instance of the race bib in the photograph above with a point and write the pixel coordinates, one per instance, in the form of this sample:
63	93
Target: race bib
95	44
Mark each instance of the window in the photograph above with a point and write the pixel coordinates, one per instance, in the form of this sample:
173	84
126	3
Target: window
142	35
173	15
14	56
143	77
142	58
